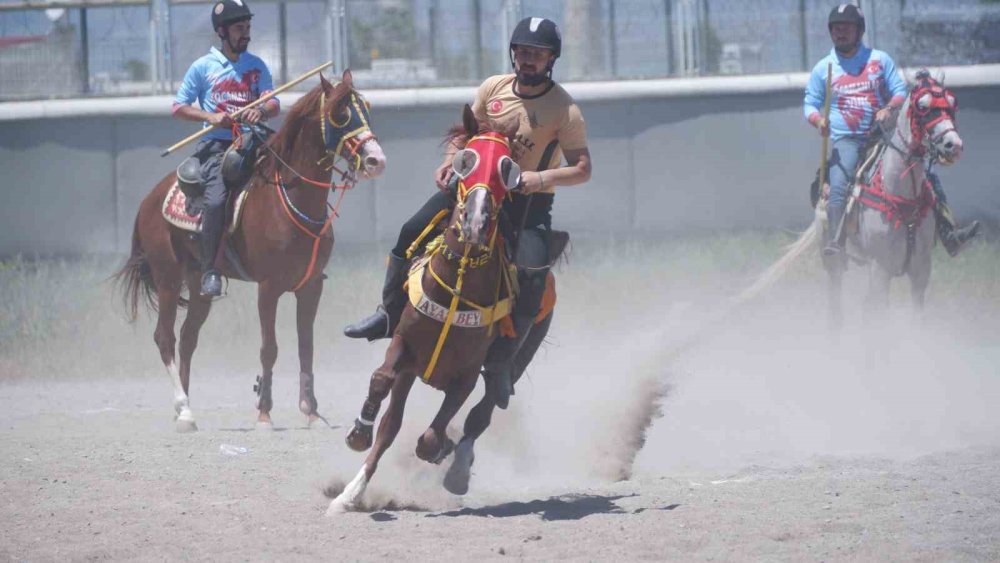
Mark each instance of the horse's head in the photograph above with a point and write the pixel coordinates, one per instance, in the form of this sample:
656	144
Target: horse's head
346	127
932	115
485	173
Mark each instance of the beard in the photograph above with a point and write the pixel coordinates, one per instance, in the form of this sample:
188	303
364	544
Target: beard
531	78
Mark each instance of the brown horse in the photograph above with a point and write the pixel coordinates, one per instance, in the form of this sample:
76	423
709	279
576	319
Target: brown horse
458	292
283	241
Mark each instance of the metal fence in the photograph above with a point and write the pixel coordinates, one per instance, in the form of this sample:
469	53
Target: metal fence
73	48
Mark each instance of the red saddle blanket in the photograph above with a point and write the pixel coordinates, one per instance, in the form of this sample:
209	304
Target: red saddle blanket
175	210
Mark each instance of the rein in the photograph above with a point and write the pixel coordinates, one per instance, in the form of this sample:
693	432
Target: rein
353	141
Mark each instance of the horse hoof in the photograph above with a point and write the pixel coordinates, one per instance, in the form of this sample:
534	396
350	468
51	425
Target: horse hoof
185	426
446	448
264	426
456	480
337	508
360	437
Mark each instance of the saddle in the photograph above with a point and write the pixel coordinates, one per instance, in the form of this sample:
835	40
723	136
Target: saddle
177	211
870	154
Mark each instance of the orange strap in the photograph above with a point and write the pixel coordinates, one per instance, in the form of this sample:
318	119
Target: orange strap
316	237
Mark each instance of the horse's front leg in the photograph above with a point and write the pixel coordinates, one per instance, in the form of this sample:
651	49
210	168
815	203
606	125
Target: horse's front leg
877	301
307	302
388	428
382	381
267	309
435	445
920	265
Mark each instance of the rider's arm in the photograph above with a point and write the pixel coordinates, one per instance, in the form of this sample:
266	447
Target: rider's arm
894	81
815	95
272	107
577	170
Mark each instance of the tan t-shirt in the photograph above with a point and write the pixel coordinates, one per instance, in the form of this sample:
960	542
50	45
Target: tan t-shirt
543	126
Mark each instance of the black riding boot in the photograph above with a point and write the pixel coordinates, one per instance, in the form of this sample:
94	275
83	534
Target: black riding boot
383	321
951	236
212	223
834	246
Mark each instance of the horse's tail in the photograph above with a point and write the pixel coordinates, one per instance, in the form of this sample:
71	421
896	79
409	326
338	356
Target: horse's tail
807	240
135	279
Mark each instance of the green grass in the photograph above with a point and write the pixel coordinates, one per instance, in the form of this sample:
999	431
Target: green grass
61	318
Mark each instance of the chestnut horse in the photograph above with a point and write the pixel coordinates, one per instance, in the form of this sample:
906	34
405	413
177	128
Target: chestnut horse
283	242
436	339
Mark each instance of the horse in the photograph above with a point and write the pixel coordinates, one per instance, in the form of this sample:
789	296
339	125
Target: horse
466	266
283	242
895	223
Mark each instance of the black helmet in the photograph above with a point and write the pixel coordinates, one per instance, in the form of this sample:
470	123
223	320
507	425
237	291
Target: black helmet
537	32
226	12
847	13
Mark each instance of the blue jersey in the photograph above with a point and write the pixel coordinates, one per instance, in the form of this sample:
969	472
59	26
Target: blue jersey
219	84
862	85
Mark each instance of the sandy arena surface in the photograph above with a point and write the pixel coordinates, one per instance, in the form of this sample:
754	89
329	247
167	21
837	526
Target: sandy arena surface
771	438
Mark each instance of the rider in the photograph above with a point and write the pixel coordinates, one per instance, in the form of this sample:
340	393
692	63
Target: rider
867	89
548	126
223	81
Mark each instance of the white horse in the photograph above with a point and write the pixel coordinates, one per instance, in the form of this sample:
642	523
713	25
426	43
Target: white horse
895	218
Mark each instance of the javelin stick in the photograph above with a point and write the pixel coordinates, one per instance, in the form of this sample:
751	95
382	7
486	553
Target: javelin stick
255	103
826	118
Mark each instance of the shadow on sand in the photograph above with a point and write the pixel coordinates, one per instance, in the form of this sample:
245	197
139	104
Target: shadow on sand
565	507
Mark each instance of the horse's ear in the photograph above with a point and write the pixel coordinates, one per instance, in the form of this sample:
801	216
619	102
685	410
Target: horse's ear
469	120
347	78
325	84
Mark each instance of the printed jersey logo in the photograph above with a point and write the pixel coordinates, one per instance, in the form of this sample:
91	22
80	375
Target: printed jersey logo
230	94
495	106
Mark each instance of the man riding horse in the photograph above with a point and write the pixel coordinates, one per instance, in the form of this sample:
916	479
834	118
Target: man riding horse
866	89
546	125
222	82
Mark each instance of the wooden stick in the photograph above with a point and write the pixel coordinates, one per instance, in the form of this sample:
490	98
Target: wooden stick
826	118
255	103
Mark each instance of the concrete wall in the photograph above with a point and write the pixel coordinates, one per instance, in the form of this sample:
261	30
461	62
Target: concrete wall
669	157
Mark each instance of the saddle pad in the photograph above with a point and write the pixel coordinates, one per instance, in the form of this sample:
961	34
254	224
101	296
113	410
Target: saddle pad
175	211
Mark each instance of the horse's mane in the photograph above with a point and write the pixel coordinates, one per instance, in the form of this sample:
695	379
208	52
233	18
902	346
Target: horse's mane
283	141
456	136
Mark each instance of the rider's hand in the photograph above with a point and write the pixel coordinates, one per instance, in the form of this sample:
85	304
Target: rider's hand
443	175
882	116
823	126
221	119
252	116
531	182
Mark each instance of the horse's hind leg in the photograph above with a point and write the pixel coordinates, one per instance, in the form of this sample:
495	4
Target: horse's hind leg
920	277
267	309
388	428
307	302
435	445
168	290
456	480
197	311
383	379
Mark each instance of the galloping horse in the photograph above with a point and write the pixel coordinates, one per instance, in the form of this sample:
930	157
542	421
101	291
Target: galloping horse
466	267
283	241
895	225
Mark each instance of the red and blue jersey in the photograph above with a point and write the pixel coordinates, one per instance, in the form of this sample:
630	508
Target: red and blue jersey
219	84
862	85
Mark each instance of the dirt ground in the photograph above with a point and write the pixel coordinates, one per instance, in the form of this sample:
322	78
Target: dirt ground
769	438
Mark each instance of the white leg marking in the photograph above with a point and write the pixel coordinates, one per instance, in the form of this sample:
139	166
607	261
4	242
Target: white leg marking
348	499
182	405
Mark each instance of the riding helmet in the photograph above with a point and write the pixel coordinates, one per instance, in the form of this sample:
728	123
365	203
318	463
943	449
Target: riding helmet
537	32
226	12
847	13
